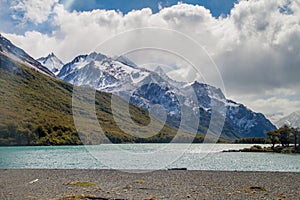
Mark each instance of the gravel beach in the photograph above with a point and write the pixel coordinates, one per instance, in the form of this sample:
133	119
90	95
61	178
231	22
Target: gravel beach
173	184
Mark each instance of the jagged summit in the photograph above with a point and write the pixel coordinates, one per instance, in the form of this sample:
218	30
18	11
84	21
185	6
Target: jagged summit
51	54
52	62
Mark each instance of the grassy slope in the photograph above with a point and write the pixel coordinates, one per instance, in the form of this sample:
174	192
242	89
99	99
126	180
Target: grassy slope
37	110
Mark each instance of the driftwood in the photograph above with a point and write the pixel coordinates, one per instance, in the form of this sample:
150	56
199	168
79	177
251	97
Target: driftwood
178	168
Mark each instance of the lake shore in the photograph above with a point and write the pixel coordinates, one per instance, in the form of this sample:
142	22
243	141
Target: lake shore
277	149
163	184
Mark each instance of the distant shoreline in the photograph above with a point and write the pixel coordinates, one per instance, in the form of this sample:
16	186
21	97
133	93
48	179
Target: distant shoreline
223	142
276	149
110	184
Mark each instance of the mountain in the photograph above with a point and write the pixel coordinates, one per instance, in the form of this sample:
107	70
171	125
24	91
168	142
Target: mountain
52	62
145	88
37	109
10	50
274	117
292	120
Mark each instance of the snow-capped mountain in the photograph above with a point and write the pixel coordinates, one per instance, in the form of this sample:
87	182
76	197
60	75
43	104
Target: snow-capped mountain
53	63
146	88
292	120
102	73
10	50
274	117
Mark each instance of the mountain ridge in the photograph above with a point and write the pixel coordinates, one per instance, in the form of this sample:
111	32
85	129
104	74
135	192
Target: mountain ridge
145	89
16	53
37	110
122	77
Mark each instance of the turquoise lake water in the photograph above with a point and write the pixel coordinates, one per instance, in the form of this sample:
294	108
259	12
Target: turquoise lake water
147	157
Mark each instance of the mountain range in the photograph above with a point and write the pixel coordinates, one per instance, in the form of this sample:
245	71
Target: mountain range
145	88
142	88
36	109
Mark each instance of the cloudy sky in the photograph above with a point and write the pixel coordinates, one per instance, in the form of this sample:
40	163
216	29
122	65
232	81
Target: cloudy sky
255	44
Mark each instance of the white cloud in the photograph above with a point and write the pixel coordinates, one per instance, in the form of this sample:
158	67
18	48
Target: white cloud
256	47
81	31
264	50
274	105
36	11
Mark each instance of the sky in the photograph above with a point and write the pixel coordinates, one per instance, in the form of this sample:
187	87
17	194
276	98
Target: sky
254	44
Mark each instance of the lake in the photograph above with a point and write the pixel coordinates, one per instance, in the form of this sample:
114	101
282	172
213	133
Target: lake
147	157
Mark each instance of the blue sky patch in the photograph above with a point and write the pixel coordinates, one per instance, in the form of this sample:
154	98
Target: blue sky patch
217	7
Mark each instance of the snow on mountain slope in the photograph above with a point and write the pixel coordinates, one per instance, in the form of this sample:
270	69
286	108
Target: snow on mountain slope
146	88
53	63
10	50
102	73
292	120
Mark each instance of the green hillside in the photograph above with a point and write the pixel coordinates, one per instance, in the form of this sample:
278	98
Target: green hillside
37	110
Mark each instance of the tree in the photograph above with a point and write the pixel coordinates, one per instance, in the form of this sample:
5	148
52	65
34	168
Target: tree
285	132
285	135
274	137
